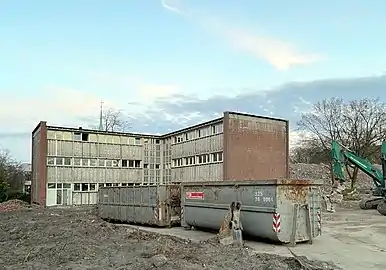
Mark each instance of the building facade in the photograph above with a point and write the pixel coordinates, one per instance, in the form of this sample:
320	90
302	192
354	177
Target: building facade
69	165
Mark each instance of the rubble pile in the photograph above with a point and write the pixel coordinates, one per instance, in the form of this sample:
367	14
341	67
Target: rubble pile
76	238
13	205
322	172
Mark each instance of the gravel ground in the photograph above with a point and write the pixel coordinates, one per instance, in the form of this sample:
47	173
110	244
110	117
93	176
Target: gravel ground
75	238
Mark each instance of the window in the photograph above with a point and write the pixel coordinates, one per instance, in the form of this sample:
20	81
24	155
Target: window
137	164
109	185
84	187
217	157
157	141
146	166
146	140
115	163
77	187
92	187
85	137
67	161
93	162
59	161
115	185
77	136
85	162
51	185
124	163
101	162
109	163
131	163
137	141
100	185
66	185
59	185
50	161
77	161
199	159
124	184
157	166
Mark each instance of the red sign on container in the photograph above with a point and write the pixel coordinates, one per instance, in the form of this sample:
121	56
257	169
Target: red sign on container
195	195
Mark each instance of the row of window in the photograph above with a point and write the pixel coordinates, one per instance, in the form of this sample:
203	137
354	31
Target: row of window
94	162
203	132
93	137
200	159
91	186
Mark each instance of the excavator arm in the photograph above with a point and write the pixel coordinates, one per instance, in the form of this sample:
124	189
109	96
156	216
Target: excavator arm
342	156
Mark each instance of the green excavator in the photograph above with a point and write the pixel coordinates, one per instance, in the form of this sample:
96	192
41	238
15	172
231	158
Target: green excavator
342	156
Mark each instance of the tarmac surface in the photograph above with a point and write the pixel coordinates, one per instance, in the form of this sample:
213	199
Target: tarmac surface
352	238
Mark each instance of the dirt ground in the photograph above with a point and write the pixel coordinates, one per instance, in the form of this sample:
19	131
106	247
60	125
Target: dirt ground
75	238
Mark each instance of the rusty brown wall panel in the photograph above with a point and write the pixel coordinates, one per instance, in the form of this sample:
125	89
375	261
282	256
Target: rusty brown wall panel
255	148
39	167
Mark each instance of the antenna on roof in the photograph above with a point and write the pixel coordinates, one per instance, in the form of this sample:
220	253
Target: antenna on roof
101	117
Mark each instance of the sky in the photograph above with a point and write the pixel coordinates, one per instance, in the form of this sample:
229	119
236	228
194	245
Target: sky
172	63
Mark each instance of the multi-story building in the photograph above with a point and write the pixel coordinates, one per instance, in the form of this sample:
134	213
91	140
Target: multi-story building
70	164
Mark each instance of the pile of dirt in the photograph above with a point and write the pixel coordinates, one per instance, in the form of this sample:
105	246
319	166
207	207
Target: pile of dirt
322	172
13	205
75	238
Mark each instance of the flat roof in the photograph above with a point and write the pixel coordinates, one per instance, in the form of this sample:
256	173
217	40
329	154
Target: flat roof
134	134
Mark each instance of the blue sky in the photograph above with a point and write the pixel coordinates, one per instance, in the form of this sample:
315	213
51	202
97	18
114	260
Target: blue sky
58	59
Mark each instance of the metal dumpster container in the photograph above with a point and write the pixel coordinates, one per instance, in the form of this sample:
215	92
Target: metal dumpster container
281	210
148	205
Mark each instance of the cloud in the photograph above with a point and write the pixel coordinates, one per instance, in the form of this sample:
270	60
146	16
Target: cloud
142	93
172	6
6	135
72	107
280	54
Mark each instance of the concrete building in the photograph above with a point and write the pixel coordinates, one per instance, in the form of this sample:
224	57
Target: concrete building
70	164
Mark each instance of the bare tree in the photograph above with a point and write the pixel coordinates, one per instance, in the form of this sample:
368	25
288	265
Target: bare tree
11	175
310	151
114	120
358	124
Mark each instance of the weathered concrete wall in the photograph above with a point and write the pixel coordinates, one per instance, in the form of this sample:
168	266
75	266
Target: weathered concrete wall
255	148
38	174
100	159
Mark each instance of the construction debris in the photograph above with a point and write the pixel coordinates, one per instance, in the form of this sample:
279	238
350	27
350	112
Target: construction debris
74	238
322	172
13	205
